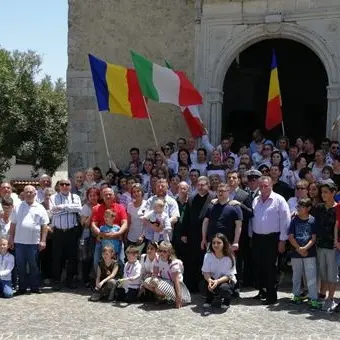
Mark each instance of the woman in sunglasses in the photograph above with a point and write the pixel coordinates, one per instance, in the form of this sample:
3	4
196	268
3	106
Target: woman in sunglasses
167	278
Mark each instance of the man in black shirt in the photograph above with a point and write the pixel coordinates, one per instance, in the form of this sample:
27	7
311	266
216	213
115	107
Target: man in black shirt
309	150
280	187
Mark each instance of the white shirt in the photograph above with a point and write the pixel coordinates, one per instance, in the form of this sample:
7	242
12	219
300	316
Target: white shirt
147	265
170	205
6	266
270	216
4	228
28	220
219	267
40	195
292	203
86	211
131	270
136	225
202	167
166	269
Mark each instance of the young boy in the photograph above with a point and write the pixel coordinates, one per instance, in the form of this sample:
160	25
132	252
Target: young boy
109	227
302	236
107	271
161	225
130	283
6	267
326	224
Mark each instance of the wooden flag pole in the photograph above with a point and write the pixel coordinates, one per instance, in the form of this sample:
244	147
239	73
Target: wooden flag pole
150	121
105	140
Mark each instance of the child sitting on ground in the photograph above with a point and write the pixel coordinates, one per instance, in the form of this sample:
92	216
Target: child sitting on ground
109	227
159	219
6	267
107	272
129	285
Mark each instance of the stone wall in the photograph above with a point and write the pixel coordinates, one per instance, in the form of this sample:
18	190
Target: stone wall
108	29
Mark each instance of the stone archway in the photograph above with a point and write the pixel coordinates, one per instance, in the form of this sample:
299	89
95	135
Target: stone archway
256	34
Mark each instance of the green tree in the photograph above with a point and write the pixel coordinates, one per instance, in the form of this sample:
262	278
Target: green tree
33	113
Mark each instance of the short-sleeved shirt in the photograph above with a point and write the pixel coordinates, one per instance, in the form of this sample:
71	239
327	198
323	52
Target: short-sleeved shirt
105	270
303	230
170	205
28	220
98	212
219	267
325	220
114	243
222	218
166	269
136	223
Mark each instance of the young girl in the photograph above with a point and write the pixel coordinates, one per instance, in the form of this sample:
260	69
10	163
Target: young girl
167	278
219	271
148	261
107	271
130	283
159	219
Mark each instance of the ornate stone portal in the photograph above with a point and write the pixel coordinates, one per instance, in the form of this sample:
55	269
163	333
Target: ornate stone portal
211	33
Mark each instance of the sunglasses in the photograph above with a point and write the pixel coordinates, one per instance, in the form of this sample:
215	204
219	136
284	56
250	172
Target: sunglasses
301	188
64	184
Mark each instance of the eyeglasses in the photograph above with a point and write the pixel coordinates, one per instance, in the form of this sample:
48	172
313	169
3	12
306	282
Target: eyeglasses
301	188
64	184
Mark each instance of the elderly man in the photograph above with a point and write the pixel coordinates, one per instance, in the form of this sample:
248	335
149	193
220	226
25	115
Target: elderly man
269	232
28	233
65	208
98	213
44	182
6	192
192	233
78	187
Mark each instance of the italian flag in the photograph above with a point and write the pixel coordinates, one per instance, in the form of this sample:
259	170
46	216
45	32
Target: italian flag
163	84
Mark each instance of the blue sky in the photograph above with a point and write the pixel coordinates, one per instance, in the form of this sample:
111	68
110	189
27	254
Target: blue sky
39	25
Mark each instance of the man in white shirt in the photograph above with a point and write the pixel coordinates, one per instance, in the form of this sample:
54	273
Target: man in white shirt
28	233
5	222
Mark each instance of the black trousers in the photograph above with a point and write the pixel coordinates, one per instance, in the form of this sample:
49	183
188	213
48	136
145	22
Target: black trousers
265	256
193	261
130	296
224	290
65	248
244	265
45	257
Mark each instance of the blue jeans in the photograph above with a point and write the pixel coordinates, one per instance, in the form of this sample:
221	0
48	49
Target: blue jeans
6	288
27	255
305	265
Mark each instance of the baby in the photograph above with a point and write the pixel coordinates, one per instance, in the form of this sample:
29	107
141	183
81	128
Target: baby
159	219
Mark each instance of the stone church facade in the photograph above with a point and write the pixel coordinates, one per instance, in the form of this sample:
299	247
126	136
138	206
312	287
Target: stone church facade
200	37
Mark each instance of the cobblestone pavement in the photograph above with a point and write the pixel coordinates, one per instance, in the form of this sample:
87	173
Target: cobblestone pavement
69	315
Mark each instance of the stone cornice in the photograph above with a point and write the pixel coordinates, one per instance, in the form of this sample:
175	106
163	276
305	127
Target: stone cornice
217	15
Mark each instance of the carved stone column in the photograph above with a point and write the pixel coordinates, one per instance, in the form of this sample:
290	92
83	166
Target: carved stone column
333	111
215	100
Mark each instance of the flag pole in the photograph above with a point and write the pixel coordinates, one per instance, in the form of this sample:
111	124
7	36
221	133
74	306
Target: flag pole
150	121
105	140
283	129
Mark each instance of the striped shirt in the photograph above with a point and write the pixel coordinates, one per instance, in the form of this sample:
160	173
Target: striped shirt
65	209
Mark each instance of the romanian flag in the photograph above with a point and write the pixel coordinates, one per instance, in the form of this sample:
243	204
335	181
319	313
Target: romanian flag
117	89
274	112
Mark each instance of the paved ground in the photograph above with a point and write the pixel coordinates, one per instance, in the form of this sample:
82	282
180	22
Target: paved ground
67	315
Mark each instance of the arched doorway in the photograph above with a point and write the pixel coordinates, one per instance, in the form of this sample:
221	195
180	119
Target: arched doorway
303	81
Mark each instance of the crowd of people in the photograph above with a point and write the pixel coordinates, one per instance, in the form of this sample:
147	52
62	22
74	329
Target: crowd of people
182	220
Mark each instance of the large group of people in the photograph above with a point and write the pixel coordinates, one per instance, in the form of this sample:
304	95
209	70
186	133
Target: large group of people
180	221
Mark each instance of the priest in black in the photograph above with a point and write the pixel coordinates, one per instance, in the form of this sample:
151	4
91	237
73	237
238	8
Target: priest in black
192	234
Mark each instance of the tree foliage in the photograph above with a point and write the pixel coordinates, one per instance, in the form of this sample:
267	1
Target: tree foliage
33	113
